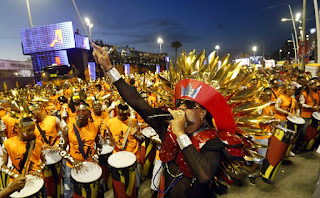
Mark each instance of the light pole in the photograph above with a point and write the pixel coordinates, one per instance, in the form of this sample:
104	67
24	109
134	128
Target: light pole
160	41
29	13
294	29
254	48
217	48
90	25
280	54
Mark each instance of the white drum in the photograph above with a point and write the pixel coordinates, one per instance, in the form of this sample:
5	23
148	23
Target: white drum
32	187
147	132
89	172
296	120
123	171
52	157
316	115
122	159
106	149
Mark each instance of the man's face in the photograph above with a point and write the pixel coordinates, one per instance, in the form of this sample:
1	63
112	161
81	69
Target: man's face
266	96
97	108
28	131
192	110
123	116
83	114
36	113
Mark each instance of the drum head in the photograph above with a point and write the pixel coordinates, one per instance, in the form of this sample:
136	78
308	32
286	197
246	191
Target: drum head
51	157
106	149
296	120
32	186
146	132
89	172
122	159
316	115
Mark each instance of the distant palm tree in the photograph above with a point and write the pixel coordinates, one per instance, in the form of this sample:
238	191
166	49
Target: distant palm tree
176	45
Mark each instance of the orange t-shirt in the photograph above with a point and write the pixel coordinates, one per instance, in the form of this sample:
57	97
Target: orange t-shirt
118	129
288	104
16	149
2	113
88	135
49	126
101	121
11	125
305	112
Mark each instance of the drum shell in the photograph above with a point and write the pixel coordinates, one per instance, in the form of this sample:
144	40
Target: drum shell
278	146
148	154
106	175
126	175
315	123
294	126
52	179
86	189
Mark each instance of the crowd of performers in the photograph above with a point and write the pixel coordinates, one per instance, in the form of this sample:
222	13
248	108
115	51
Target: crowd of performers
80	139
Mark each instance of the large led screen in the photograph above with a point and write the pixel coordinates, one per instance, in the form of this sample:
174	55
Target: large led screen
47	38
82	42
40	60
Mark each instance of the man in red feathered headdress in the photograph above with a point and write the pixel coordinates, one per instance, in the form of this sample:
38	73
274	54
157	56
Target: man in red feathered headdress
192	149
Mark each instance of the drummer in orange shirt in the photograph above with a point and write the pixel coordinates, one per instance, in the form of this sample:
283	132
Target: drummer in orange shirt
286	105
17	149
11	122
81	137
267	128
118	127
309	101
100	117
47	126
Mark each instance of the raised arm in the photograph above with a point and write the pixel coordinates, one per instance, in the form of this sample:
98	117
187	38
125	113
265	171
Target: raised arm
129	94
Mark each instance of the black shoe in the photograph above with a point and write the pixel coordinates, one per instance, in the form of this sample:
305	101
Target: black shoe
252	180
266	180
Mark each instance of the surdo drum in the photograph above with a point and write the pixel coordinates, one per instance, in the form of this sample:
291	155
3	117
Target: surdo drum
312	132
278	145
52	173
123	171
86	181
295	124
148	150
103	162
31	189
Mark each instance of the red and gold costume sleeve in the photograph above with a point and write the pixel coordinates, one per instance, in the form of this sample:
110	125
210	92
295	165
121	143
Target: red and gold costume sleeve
88	135
16	150
118	129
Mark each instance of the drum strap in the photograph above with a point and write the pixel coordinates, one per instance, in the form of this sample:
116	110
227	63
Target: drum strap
81	146
275	95
43	133
127	134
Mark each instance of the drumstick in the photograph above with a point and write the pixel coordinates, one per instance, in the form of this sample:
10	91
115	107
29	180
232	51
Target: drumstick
24	171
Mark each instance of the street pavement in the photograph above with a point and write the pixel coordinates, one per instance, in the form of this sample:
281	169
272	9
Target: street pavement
296	179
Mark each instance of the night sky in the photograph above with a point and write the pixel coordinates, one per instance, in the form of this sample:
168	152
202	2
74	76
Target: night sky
234	25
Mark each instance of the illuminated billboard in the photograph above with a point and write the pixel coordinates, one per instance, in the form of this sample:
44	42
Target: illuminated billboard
59	36
44	59
82	42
